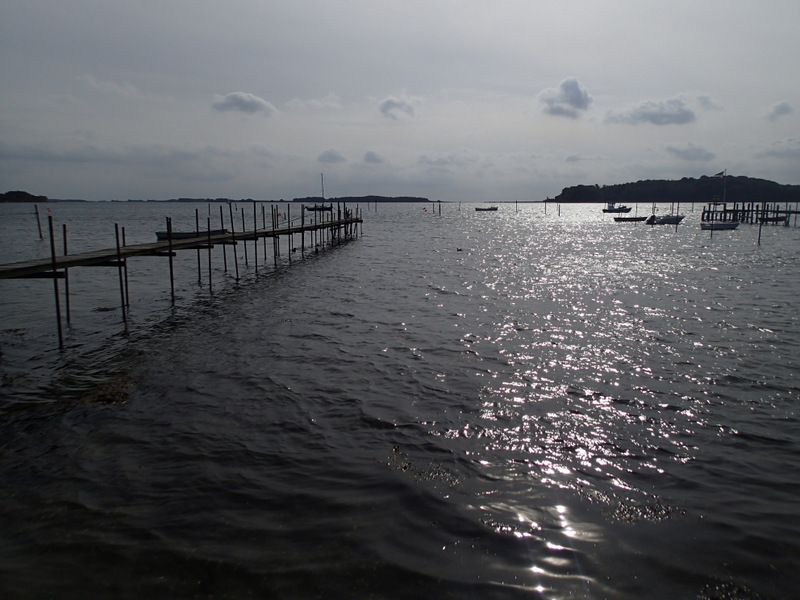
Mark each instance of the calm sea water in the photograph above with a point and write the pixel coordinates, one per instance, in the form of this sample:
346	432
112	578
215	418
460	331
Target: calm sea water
520	404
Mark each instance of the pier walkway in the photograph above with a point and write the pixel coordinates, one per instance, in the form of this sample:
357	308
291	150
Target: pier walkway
44	267
328	226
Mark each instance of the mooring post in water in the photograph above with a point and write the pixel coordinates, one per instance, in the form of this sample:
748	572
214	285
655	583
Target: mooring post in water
760	225
233	239
197	233
121	284
171	268
55	283
244	241
208	226
66	273
303	228
125	265
38	222
275	243
224	251
290	237
264	226
255	237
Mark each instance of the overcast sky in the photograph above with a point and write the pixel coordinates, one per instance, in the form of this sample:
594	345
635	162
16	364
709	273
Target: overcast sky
448	99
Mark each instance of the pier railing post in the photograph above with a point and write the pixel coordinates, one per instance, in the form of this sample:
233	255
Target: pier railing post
197	233
233	239
208	226
66	274
171	267
121	279
224	250
55	283
244	241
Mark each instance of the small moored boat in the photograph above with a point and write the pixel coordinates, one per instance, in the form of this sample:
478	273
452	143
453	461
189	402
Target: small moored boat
719	225
612	207
664	219
629	219
485	208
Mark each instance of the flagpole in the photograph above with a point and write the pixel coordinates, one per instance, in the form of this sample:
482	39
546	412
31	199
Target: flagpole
723	185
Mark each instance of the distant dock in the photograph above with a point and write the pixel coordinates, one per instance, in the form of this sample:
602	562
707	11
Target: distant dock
750	212
333	226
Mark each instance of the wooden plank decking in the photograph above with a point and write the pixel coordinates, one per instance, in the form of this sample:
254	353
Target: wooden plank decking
109	256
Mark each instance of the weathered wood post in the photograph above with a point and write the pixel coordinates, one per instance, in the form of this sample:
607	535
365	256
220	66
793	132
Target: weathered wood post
66	273
244	241
224	250
55	283
38	223
208	227
233	240
125	268
121	278
197	234
171	267
255	237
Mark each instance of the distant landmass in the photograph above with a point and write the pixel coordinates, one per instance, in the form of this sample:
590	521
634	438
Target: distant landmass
318	199
703	190
18	196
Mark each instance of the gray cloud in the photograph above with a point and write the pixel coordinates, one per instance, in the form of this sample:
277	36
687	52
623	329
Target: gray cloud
373	158
566	100
332	157
708	103
781	109
691	153
664	112
788	148
394	108
244	102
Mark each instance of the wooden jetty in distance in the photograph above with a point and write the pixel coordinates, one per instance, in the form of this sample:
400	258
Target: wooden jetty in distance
334	226
749	212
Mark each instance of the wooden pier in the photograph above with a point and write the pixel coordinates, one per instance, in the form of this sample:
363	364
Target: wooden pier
750	212
335	225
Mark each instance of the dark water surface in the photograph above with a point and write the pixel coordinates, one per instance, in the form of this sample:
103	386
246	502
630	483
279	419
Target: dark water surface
471	405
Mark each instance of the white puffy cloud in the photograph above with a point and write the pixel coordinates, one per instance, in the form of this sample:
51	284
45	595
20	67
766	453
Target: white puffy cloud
662	112
691	152
778	110
566	100
243	102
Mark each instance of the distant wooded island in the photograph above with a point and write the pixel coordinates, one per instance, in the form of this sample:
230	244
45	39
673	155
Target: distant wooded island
703	190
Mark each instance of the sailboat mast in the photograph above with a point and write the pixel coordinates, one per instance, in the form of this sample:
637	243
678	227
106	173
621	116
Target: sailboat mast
322	185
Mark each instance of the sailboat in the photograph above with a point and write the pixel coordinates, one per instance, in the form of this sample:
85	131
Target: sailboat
720	225
321	207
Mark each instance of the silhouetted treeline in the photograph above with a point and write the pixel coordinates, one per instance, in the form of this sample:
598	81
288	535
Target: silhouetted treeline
705	189
19	196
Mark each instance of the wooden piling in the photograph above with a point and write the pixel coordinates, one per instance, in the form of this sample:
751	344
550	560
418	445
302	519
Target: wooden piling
233	240
244	242
121	284
170	254
55	283
66	275
208	237
38	222
197	232
224	249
